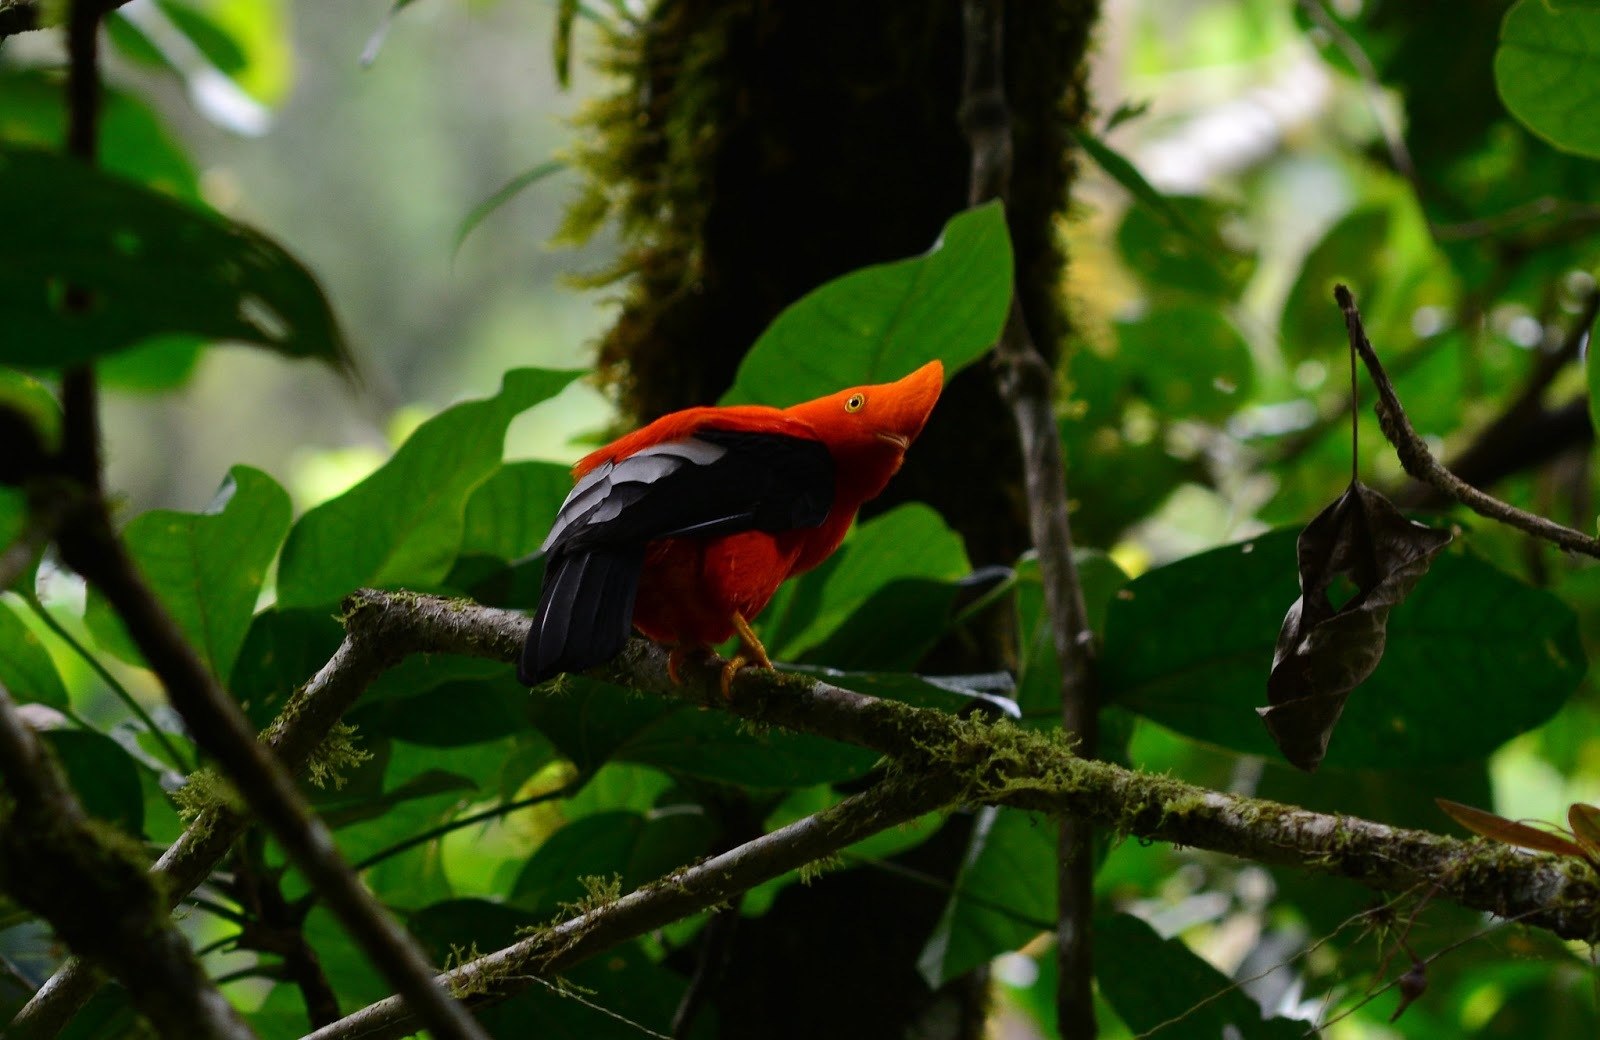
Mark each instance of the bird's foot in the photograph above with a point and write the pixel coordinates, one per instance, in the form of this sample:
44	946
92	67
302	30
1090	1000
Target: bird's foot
677	657
730	669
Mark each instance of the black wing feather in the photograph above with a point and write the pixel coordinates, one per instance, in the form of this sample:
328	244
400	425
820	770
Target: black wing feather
724	481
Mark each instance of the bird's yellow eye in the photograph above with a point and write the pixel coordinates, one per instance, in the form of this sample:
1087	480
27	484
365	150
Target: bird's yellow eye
855	402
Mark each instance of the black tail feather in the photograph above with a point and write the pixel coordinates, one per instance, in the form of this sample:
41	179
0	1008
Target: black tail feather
585	612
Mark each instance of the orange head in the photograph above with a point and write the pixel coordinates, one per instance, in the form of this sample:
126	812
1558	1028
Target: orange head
868	428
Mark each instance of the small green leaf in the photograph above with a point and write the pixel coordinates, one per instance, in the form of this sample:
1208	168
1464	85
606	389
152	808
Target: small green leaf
150	265
879	323
207	568
1187	646
1192	999
403	524
504	194
26	670
1545	71
1005	895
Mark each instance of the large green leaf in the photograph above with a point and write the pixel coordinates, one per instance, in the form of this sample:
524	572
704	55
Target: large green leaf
1474	657
636	848
103	775
881	322
1039	684
450	715
1161	986
1004	896
207	567
150	264
26	670
1545	69
908	543
509	514
403	524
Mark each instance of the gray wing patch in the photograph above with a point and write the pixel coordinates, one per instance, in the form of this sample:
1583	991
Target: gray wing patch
594	499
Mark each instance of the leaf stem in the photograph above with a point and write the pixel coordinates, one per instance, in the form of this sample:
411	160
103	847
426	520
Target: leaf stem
173	755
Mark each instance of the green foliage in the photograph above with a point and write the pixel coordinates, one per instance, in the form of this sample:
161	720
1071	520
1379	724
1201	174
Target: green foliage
207	567
1543	69
149	264
1195	998
1201	399
403	524
26	671
884	321
1467	635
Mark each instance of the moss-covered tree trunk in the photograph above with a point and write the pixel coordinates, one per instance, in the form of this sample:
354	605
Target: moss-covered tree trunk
752	150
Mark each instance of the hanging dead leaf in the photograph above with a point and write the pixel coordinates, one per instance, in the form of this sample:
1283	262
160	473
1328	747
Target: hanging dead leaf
1325	649
1585	823
1510	832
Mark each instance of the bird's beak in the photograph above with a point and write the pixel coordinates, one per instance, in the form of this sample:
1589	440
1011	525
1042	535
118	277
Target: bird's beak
913	399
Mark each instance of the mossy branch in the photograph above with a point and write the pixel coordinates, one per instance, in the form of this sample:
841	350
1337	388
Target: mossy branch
958	760
90	883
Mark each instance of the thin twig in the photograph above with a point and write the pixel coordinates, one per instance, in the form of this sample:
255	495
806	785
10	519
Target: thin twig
1420	463
1027	385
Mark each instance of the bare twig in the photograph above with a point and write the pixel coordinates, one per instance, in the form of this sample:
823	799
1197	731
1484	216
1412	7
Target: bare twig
1027	385
96	894
1420	463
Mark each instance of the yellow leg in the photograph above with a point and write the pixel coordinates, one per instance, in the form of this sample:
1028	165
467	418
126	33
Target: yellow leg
752	645
677	657
728	672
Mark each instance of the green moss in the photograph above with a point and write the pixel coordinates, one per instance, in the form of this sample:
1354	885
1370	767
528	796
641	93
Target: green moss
204	790
809	872
598	892
336	754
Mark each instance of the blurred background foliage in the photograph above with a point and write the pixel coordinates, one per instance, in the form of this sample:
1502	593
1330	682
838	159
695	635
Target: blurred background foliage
423	160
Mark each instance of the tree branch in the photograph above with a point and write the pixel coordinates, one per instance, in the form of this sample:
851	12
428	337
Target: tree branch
680	894
88	882
1027	385
1420	463
303	724
20	16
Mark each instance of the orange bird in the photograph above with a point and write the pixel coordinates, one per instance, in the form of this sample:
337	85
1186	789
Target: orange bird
684	529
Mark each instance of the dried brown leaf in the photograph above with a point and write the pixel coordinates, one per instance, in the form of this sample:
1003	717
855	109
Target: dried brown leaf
1325	650
1585	823
1509	832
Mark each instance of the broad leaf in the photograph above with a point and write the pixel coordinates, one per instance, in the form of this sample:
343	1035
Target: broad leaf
1188	360
1326	649
879	323
1192	1000
450	715
1545	70
103	775
26	670
1005	894
207	567
509	514
403	524
1187	644
151	265
909	543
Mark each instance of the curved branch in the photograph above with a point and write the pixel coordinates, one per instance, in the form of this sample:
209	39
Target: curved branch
1420	463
